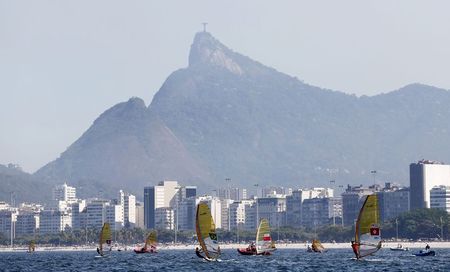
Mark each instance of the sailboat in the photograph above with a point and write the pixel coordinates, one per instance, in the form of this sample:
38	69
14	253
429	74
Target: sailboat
367	231
150	244
317	246
31	247
105	239
206	234
264	243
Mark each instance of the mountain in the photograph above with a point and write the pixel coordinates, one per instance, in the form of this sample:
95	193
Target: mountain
227	116
22	186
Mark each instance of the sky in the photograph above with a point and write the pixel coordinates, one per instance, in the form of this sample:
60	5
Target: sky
63	63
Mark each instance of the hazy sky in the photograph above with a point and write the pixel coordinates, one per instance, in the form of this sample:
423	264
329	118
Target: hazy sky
62	63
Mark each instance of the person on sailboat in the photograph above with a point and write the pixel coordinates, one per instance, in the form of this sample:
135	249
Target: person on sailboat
427	247
98	251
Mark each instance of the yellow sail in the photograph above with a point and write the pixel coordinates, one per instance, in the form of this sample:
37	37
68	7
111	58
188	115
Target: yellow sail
367	231
264	241
31	247
206	231
151	239
317	246
105	237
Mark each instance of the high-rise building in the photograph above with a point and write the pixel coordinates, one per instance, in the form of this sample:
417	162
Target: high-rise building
423	176
140	215
186	213
295	200
27	223
321	211
164	218
272	208
393	201
54	221
64	193
7	221
128	203
163	195
240	212
236	194
215	206
440	198
352	200
225	206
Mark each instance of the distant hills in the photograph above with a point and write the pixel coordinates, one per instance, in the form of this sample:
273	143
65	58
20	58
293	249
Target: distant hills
227	116
21	186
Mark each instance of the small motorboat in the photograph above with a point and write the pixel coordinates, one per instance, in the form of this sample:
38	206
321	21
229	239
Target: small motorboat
252	251
424	253
399	248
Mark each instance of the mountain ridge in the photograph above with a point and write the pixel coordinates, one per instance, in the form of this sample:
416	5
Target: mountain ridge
227	116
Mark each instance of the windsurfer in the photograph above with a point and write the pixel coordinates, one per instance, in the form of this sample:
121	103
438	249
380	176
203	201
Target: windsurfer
98	251
355	247
198	253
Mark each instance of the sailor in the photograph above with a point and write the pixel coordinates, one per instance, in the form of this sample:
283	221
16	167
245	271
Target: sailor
98	251
427	247
355	248
197	252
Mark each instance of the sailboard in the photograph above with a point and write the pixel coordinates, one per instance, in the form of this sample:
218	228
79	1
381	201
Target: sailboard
367	231
264	243
105	239
206	233
150	244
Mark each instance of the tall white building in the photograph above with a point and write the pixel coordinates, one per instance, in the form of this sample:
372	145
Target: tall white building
423	176
64	193
440	198
53	221
215	206
163	195
164	218
140	223
128	203
240	214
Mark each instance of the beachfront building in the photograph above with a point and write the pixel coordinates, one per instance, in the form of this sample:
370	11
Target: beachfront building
321	211
423	176
440	198
186	213
54	221
139	215
164	218
128	203
162	195
393	200
353	199
272	208
295	200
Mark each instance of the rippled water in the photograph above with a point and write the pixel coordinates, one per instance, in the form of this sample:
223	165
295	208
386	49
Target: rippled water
186	260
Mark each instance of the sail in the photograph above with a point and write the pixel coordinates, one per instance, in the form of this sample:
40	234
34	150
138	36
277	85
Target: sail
367	231
317	246
31	247
105	237
151	239
206	231
264	242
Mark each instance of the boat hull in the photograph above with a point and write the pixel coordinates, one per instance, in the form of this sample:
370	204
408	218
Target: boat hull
399	249
140	251
245	251
423	254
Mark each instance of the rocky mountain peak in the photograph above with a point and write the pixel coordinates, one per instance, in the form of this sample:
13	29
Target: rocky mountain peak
207	50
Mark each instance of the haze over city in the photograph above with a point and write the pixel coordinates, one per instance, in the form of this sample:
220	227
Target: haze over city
64	63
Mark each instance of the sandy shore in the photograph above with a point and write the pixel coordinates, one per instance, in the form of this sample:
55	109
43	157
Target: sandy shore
281	246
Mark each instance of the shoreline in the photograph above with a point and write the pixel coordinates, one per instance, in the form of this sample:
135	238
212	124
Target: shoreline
281	246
